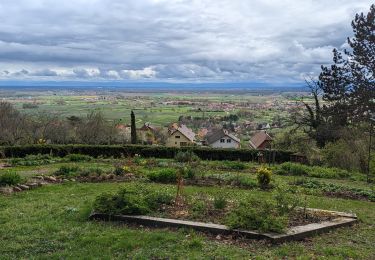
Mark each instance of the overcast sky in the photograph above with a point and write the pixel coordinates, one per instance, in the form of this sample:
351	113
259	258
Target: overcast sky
167	40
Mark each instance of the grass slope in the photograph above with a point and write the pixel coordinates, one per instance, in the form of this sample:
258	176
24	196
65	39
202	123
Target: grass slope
50	222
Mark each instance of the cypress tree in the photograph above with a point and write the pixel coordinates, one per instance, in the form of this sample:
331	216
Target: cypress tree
133	129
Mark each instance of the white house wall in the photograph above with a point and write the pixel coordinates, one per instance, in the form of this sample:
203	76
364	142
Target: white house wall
232	144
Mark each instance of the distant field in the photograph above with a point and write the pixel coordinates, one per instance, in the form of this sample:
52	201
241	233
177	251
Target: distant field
148	107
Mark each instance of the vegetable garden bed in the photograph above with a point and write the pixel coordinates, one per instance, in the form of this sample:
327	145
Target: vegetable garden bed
340	219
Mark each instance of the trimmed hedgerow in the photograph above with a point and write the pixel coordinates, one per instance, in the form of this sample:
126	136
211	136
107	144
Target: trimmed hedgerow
118	151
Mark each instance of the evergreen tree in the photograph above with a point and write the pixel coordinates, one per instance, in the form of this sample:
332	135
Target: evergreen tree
349	84
133	129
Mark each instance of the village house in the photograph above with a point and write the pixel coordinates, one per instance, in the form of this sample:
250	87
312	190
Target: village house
147	133
180	135
261	140
222	139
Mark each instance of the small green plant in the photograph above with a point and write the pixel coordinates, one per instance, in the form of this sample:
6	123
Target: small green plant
234	165
286	200
220	201
167	175
264	176
33	160
189	172
186	157
256	214
10	178
137	200
198	207
67	171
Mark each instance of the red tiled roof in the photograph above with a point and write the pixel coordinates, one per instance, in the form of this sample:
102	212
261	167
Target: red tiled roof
259	138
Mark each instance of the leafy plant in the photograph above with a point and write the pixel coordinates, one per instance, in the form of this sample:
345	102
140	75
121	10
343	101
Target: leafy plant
10	178
67	171
167	175
186	157
264	177
256	214
220	201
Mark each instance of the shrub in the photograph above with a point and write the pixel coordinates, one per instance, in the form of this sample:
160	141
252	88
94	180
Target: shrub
189	172
286	200
198	208
33	160
234	165
264	177
243	181
159	197
256	214
167	175
137	200
78	158
220	201
186	157
295	169
10	178
67	171
90	172
119	171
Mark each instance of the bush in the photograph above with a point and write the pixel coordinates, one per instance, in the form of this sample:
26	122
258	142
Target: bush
119	170
167	175
256	214
10	178
198	208
90	172
78	158
220	201
186	157
297	169
33	160
243	181
189	173
286	200
159	197
264	176
67	171
234	165
137	200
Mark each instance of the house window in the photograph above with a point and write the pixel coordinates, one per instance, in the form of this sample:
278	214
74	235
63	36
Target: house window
229	140
222	140
177	137
175	142
183	144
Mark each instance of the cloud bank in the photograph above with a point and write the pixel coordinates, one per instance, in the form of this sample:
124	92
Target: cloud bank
171	40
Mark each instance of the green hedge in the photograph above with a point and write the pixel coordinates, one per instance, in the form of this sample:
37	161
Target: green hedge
117	151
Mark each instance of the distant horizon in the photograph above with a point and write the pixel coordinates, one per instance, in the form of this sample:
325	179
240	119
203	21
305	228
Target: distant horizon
160	85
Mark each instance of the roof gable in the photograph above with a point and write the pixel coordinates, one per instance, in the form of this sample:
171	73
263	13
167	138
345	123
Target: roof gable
217	135
259	138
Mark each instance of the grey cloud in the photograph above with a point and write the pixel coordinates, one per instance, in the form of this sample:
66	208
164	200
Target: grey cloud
181	40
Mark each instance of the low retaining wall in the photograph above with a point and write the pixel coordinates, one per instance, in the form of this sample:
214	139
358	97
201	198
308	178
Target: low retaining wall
294	233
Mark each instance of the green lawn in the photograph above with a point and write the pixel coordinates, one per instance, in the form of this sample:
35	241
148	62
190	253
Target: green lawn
51	222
